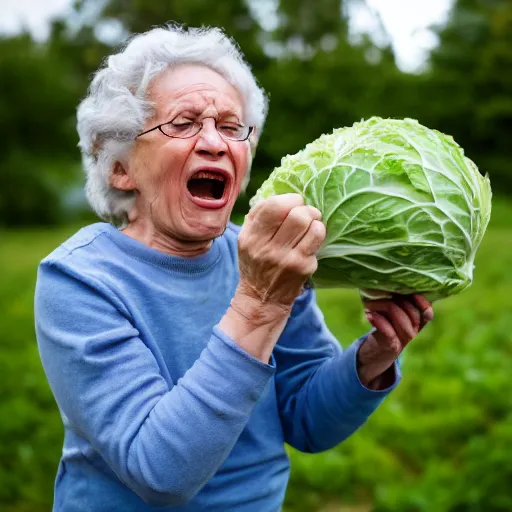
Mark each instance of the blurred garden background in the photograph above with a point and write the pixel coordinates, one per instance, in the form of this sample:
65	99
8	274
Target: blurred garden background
443	440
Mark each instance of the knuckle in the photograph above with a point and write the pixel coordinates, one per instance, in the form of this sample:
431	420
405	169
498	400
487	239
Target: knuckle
312	266
304	266
252	212
272	202
314	212
396	350
295	263
318	230
285	202
257	209
267	207
394	345
299	216
292	198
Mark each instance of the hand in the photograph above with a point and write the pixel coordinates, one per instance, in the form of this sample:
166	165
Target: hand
277	249
396	321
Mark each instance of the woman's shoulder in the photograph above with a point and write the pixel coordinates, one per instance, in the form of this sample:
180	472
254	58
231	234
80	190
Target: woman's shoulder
87	255
82	262
79	243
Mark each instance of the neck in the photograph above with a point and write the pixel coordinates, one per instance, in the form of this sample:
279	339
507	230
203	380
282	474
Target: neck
166	242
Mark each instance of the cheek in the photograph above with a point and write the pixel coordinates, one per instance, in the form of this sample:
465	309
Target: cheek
164	167
242	160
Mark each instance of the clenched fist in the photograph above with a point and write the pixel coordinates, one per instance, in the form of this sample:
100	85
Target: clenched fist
277	249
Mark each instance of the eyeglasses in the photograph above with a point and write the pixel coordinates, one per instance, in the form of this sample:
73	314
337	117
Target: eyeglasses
185	130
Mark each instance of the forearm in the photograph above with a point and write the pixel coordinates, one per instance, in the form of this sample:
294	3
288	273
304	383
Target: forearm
382	381
164	441
331	405
189	431
255	326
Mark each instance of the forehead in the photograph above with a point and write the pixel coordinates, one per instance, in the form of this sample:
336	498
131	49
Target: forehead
196	87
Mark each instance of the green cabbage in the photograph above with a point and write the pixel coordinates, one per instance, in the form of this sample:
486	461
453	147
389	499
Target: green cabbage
405	210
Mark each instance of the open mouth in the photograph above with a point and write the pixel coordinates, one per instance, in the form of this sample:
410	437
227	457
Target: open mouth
207	185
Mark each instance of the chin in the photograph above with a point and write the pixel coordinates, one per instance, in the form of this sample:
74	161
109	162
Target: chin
207	231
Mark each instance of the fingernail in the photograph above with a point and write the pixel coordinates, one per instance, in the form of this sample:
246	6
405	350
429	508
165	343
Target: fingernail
429	314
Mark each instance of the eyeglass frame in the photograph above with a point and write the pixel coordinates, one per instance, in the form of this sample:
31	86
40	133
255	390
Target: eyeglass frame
201	125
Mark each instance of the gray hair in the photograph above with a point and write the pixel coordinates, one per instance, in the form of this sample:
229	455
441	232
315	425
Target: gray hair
116	106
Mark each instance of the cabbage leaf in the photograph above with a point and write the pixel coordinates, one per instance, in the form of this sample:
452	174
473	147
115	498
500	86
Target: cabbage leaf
405	209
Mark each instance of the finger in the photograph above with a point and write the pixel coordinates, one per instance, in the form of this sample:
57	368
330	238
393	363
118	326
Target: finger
425	308
267	216
412	311
396	316
313	239
296	225
290	200
385	335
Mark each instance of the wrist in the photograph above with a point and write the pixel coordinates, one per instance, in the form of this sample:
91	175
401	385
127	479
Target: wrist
374	377
256	311
253	325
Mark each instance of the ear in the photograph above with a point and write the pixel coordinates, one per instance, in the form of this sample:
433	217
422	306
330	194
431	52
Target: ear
120	179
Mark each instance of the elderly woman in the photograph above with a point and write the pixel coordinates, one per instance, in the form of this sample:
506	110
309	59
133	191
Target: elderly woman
183	351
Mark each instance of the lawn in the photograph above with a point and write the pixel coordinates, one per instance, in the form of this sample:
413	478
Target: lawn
441	442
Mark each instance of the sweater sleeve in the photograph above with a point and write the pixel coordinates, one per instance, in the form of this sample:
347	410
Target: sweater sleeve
321	399
163	441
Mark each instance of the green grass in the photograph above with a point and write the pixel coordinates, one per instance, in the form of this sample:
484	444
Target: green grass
441	442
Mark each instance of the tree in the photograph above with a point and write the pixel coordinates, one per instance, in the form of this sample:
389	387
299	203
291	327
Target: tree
469	87
38	95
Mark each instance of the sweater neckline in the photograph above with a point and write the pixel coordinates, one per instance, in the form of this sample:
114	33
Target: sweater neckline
147	254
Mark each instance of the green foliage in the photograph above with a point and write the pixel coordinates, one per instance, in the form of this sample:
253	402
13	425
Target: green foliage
30	426
468	89
38	97
440	442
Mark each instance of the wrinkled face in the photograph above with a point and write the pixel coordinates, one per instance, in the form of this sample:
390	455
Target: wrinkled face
186	188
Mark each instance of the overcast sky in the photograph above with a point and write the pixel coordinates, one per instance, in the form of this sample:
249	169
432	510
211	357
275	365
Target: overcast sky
405	20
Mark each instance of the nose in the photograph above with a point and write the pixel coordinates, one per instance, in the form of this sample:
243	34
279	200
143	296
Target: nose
210	141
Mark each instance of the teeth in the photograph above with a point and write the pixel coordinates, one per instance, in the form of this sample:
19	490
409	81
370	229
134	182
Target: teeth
208	175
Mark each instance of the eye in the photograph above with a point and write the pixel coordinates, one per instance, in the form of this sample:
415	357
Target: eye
181	124
230	129
182	128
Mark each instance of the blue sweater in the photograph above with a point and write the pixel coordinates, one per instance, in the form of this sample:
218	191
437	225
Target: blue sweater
160	407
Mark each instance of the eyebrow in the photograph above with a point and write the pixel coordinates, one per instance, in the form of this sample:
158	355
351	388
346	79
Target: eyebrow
177	109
